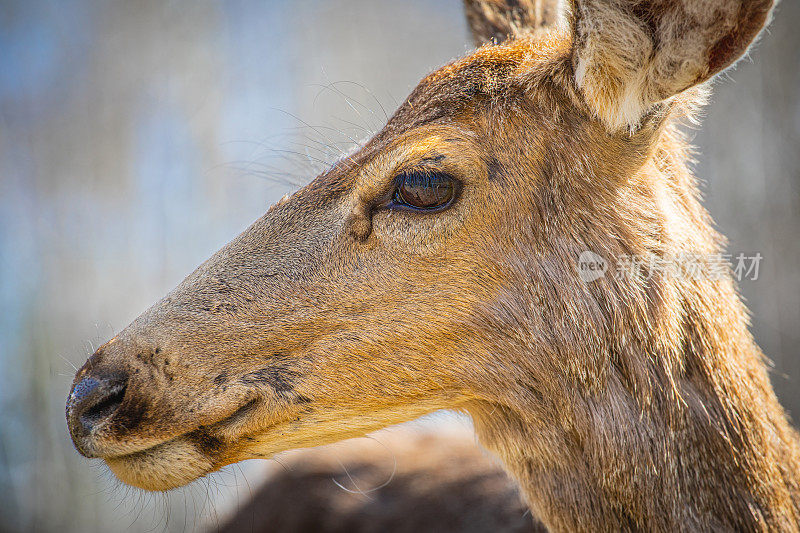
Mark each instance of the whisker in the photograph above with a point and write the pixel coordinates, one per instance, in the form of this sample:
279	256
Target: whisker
330	86
70	363
304	123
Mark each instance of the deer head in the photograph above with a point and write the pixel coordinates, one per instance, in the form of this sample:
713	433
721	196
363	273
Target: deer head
436	268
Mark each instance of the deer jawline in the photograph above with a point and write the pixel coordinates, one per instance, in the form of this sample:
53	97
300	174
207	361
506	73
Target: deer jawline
184	458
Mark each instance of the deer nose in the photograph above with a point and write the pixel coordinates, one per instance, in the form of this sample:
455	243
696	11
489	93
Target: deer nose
92	402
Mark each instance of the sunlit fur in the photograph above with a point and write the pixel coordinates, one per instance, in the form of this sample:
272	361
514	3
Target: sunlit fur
624	403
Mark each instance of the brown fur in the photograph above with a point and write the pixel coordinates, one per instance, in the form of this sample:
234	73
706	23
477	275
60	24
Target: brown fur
493	21
626	403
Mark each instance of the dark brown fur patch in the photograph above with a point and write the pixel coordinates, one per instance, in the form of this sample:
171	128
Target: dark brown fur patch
280	378
495	170
207	443
300	399
131	414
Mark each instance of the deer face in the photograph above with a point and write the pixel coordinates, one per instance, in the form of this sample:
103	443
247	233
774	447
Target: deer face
404	280
347	307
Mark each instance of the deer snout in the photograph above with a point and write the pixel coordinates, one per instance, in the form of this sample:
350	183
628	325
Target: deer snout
93	401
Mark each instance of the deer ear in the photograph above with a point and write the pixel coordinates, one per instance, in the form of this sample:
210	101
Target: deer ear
629	55
496	20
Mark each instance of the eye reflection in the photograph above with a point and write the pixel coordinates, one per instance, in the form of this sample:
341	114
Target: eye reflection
424	190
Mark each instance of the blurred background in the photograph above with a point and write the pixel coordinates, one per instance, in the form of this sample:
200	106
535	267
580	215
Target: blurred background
137	137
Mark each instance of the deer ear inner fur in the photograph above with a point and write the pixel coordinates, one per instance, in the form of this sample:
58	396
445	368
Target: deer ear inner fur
630	55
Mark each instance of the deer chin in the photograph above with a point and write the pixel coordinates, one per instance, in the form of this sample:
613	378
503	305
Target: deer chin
253	431
184	458
166	466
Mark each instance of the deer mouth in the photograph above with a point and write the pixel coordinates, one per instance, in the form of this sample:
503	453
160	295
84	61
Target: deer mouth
182	459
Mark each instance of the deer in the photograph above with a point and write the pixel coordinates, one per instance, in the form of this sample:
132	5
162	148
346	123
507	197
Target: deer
435	267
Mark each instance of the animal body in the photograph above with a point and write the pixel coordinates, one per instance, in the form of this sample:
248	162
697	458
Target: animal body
401	481
438	266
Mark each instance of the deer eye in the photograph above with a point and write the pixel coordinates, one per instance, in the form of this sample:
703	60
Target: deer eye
425	191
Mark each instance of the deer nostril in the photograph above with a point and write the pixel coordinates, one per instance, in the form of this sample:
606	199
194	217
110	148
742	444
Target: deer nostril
94	400
104	408
83	389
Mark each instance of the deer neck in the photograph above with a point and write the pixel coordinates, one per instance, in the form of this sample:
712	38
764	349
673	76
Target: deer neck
699	444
